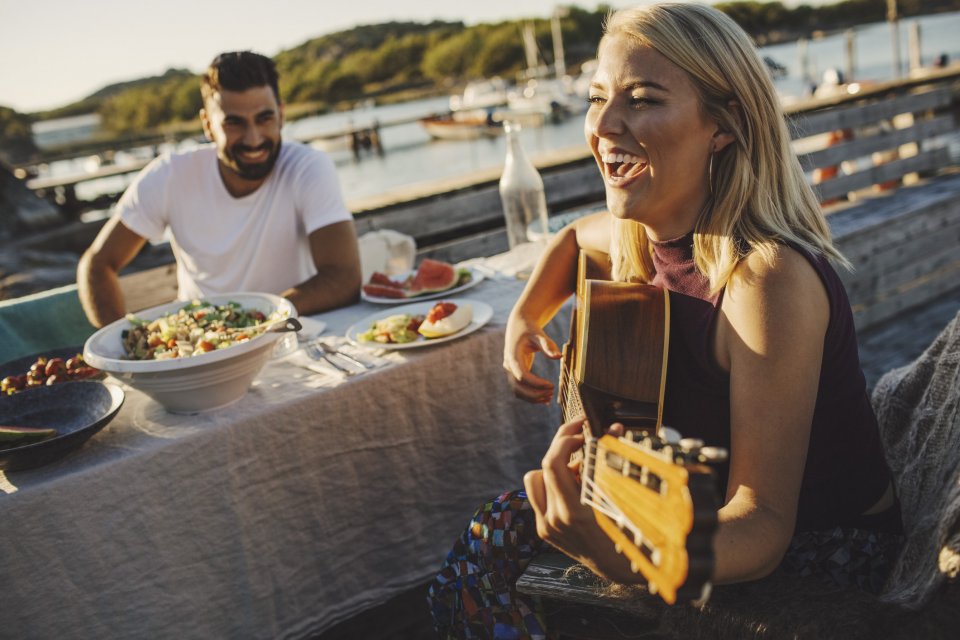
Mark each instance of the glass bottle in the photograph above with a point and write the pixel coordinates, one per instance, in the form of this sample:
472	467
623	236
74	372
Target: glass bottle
521	191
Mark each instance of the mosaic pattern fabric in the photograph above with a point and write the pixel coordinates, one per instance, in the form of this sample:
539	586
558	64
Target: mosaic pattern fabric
474	595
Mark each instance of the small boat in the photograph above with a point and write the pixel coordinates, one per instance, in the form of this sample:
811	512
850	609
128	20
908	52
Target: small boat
480	94
460	126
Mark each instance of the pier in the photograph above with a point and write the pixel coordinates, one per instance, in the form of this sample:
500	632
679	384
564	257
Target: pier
362	139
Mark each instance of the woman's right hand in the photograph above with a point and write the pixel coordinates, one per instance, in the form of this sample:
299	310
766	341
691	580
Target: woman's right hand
523	340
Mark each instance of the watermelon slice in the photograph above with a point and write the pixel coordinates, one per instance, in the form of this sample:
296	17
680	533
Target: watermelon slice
382	286
385	280
383	291
432	276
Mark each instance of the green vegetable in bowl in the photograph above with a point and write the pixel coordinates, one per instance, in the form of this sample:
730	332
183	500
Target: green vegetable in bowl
196	328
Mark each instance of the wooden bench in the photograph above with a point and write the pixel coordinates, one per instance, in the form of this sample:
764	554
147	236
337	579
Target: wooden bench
578	608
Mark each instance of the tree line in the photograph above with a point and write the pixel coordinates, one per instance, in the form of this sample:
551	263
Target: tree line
387	60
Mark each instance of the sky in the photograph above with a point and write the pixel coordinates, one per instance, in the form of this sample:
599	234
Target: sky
54	52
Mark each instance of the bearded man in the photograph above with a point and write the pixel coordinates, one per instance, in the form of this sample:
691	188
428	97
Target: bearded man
245	213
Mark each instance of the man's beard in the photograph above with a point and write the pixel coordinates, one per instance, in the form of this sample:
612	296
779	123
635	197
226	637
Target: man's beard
251	171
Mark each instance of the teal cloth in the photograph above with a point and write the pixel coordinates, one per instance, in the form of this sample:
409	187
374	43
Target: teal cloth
42	321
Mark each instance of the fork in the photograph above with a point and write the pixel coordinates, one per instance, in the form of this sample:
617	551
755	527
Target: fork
333	351
316	353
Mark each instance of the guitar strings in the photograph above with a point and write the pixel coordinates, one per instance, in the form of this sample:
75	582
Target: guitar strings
593	495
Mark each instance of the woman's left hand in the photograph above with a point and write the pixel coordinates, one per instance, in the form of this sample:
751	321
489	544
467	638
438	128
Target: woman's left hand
562	520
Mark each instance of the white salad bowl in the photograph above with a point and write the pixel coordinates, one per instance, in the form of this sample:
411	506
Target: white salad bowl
197	383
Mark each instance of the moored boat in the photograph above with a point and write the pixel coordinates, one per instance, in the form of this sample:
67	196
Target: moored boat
480	94
461	126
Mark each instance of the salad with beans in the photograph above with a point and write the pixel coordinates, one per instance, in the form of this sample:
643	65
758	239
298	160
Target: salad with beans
197	328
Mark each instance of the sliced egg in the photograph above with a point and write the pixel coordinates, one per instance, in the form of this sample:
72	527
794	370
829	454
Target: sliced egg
448	325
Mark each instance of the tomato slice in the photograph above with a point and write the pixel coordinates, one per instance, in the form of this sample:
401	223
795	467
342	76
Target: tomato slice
440	311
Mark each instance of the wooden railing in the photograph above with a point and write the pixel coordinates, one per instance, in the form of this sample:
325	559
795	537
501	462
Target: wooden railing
899	183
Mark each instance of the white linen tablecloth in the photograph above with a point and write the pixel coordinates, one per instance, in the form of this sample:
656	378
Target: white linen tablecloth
299	506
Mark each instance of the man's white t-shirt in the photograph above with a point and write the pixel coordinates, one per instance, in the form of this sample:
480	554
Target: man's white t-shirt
223	244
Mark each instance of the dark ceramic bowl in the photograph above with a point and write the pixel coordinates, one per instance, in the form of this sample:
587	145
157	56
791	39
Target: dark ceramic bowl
76	410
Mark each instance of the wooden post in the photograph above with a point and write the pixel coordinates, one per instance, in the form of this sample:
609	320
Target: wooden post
559	57
804	55
850	60
893	19
915	55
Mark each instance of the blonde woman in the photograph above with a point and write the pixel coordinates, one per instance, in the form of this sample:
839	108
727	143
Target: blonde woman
707	199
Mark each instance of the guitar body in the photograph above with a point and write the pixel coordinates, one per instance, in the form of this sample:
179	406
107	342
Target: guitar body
655	499
615	363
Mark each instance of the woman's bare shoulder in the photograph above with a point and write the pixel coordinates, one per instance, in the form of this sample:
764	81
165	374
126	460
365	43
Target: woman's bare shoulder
593	231
776	298
779	271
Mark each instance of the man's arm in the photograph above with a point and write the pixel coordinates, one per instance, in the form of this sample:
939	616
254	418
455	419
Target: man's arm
98	280
337	283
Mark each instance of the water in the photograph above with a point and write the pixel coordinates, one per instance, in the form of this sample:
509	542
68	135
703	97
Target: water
411	158
51	133
873	51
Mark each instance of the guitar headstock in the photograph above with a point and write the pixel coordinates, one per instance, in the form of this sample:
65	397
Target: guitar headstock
657	500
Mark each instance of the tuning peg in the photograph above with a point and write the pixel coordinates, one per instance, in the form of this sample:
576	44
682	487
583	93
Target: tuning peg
690	445
669	434
713	454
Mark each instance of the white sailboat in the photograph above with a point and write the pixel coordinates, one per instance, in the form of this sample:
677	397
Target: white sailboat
548	96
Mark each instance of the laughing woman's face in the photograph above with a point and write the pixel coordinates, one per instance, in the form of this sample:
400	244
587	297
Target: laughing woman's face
649	138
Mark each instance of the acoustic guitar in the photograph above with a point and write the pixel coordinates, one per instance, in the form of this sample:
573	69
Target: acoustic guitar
652	492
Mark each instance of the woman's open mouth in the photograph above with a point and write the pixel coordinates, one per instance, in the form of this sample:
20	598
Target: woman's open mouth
620	169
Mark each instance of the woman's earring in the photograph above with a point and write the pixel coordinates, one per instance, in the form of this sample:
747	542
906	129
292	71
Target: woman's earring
710	172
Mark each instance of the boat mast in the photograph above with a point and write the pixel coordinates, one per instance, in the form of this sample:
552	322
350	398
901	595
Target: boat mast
530	49
559	60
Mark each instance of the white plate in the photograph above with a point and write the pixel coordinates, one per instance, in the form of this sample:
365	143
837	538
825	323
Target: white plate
482	312
476	278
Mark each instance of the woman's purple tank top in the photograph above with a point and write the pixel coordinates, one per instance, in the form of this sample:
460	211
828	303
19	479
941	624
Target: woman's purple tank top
846	472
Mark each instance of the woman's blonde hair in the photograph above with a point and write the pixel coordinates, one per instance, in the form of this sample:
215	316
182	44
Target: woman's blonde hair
759	195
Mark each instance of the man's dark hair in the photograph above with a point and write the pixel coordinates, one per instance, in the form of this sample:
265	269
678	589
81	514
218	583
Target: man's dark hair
239	71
